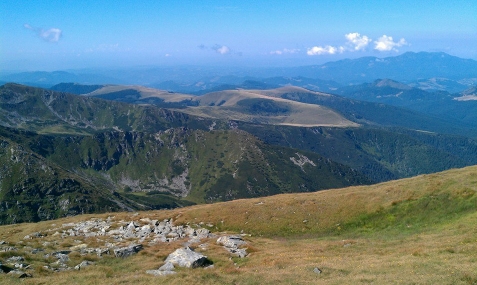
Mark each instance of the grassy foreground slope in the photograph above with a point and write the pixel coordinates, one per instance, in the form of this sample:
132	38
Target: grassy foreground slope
418	230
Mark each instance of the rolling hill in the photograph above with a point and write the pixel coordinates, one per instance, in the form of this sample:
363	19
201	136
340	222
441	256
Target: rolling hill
416	230
254	106
279	107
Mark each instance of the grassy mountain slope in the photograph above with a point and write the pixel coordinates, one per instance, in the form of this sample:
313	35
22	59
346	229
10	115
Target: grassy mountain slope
47	111
417	230
161	170
381	154
33	188
253	106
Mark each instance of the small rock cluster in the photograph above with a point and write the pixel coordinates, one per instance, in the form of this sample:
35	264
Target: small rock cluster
142	230
232	244
187	257
122	239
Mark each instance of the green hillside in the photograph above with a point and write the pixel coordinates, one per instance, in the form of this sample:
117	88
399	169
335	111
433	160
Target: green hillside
167	169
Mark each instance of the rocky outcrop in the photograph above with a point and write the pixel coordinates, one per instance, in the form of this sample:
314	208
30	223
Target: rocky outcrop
116	239
233	244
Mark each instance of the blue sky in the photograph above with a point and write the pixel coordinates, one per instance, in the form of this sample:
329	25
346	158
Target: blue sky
54	35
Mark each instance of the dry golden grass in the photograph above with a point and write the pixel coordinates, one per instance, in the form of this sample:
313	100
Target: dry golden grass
284	248
219	105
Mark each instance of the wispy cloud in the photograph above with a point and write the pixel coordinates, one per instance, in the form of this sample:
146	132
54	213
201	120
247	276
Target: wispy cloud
51	35
357	41
221	49
386	43
285	51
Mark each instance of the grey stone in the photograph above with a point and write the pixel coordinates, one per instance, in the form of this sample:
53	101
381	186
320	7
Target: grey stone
62	258
83	264
202	233
127	251
232	244
186	257
240	252
168	266
231	241
317	270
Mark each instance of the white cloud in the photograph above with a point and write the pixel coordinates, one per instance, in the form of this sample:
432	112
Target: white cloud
357	41
221	49
318	50
52	35
284	51
386	43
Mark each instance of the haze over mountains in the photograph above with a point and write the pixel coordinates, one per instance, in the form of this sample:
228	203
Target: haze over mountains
409	67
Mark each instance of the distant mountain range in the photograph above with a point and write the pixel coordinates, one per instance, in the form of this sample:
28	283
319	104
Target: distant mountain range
429	71
409	66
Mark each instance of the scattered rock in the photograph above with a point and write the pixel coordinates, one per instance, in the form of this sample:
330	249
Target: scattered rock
231	241
232	244
83	264
186	257
128	250
8	248
114	233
